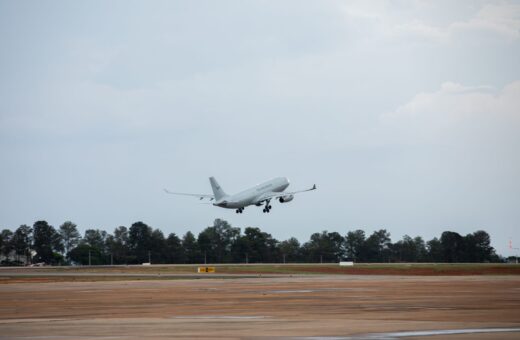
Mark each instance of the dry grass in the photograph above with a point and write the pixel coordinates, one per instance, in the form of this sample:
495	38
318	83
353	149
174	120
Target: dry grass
168	272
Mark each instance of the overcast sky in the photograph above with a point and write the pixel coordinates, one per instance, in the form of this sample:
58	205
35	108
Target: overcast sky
406	114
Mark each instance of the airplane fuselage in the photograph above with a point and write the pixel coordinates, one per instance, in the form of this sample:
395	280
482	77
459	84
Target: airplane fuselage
259	195
253	195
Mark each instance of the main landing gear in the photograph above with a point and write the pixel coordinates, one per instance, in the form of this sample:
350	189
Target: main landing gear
267	207
239	210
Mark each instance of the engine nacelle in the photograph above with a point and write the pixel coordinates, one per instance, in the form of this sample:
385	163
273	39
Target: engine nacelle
285	199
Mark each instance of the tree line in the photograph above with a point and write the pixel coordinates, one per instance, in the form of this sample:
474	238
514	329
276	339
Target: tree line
223	243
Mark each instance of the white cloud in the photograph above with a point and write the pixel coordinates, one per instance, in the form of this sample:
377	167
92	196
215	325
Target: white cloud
420	20
501	19
418	29
456	111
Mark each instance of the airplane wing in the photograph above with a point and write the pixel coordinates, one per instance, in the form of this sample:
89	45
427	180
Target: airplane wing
200	196
271	195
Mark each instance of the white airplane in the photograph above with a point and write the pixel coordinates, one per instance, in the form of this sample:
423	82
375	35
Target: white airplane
259	195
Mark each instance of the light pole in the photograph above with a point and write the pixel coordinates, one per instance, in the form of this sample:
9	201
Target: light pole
89	258
511	247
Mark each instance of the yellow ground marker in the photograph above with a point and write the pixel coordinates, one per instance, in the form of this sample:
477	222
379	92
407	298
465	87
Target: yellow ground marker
206	269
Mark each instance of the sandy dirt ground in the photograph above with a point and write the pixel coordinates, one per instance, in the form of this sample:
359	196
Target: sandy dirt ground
348	306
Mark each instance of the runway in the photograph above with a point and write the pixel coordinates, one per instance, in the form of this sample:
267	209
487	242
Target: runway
82	276
319	306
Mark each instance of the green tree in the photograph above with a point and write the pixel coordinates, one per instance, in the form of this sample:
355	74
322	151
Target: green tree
6	244
478	247
290	250
409	250
70	236
223	243
453	247
378	246
81	253
47	243
121	235
140	241
95	238
191	248
117	245
255	246
22	242
324	246
420	246
355	245
175	251
158	248
434	250
216	241
406	249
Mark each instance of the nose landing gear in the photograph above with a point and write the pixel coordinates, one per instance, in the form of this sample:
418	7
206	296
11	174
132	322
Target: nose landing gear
239	210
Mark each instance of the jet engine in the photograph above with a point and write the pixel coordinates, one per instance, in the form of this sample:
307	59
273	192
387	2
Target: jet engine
285	199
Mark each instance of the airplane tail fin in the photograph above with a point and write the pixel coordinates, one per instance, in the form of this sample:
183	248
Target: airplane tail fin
217	189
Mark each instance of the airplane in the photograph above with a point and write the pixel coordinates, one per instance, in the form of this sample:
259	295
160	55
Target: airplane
260	194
